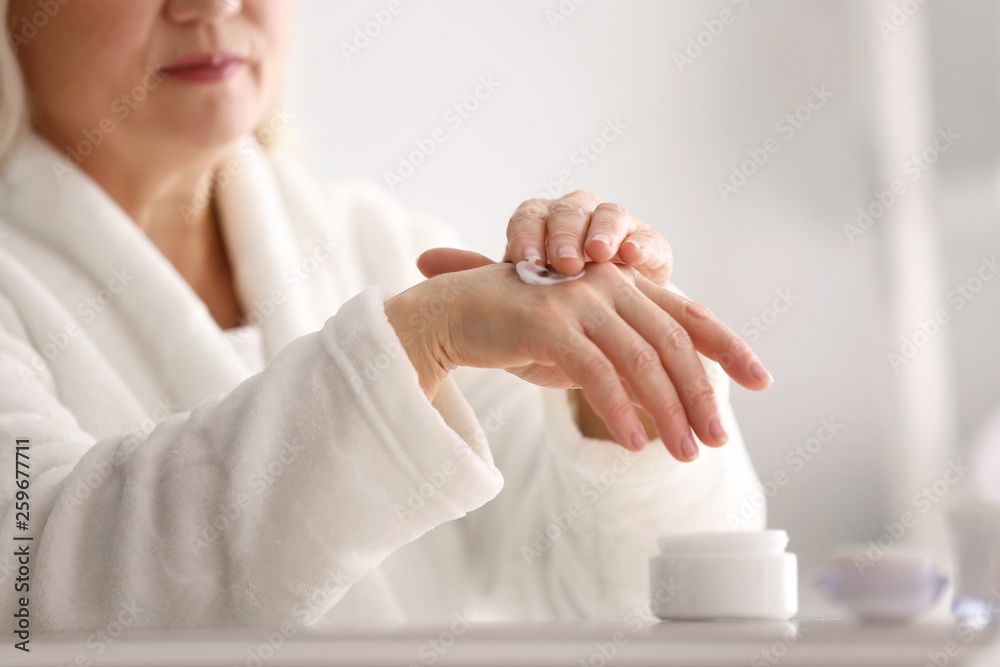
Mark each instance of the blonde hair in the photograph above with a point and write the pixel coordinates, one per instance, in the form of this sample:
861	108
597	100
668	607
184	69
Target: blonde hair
13	100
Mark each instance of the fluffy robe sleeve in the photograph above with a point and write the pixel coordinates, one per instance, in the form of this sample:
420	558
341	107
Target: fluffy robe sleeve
258	506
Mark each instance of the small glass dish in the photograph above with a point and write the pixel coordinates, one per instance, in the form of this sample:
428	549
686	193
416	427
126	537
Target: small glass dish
892	588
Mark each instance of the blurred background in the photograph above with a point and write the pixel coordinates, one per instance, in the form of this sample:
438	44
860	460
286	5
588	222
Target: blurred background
826	172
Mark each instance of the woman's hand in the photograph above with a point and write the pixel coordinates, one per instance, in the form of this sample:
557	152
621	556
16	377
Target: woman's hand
566	232
616	335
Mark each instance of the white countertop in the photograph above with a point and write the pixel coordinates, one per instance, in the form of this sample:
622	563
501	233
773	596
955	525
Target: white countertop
811	642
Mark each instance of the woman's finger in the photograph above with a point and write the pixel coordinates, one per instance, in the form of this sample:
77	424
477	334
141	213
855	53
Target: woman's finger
526	232
649	253
677	353
610	224
436	261
566	229
644	370
584	364
710	336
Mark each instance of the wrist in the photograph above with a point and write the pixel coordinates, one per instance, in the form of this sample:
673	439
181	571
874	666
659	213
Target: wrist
417	333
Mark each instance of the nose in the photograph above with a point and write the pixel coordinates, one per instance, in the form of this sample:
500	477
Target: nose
194	11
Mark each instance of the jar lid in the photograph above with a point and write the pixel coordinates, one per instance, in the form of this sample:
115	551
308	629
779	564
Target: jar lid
742	542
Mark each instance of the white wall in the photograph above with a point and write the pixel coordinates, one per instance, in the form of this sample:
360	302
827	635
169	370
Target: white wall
686	128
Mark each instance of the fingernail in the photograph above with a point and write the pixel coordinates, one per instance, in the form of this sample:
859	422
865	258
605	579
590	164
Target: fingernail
639	439
568	252
688	447
638	246
759	371
717	430
603	238
532	254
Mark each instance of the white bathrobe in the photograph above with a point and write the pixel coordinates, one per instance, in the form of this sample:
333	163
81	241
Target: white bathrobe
168	480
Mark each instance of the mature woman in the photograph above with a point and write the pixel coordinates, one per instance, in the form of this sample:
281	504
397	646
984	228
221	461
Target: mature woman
233	411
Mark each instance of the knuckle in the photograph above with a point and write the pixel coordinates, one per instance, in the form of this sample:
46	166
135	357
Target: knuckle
643	359
597	371
658	244
611	207
672	412
677	339
569	209
595	317
736	349
526	215
563	237
619	409
545	311
696	311
582	193
739	348
701	393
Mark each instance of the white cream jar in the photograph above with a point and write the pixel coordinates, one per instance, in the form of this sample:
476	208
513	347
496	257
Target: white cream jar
725	575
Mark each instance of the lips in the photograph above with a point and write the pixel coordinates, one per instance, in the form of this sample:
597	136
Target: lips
208	67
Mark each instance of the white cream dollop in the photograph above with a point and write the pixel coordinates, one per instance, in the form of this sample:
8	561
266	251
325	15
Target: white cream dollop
533	274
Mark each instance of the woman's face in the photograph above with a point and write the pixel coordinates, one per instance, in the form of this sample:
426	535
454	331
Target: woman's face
143	75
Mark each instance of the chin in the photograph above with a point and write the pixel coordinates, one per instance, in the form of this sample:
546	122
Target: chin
214	130
213	117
